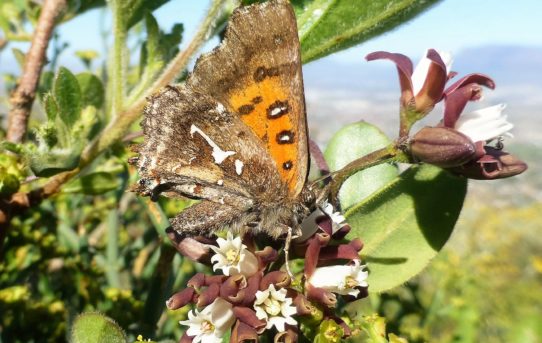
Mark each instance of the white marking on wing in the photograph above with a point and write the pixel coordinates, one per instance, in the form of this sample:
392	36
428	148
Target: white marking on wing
218	154
239	166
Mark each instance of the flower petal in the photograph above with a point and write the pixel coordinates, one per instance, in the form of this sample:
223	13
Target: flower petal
249	317
404	69
480	79
484	124
456	101
429	79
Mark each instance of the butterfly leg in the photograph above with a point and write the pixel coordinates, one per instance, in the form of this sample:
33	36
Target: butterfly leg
287	252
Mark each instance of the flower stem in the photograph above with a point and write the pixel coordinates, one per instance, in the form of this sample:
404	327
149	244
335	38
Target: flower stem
388	154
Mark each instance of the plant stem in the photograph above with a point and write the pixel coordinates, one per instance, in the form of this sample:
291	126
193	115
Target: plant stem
112	252
119	124
23	96
119	61
387	154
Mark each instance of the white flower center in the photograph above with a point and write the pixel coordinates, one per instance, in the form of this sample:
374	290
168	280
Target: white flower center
232	256
207	327
272	306
351	282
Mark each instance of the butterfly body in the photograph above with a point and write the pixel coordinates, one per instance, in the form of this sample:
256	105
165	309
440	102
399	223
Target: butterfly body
234	135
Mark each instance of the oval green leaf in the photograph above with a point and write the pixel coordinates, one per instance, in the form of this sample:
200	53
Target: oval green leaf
327	26
96	328
92	90
407	223
67	94
352	142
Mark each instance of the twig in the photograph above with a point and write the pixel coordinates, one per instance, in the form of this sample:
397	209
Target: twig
24	94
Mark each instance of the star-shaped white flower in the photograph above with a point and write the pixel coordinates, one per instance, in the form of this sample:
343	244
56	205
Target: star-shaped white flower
209	325
275	308
341	279
233	257
484	124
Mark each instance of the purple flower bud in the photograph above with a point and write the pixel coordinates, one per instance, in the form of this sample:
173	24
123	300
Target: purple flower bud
181	298
442	146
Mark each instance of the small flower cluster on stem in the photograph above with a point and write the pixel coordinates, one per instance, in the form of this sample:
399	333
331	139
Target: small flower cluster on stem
253	297
460	142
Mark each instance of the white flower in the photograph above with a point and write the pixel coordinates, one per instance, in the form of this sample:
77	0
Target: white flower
338	220
233	258
484	124
209	325
309	225
275	308
422	69
340	279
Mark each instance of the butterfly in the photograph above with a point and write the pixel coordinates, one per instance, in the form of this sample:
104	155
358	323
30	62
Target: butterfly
235	133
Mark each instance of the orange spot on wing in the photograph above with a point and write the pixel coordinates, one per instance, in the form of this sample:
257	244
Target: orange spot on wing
267	92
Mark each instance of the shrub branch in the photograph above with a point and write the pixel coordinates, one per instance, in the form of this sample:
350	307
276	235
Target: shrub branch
23	96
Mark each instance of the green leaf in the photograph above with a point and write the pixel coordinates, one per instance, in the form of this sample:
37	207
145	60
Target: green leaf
95	328
19	57
406	224
67	94
327	26
93	184
135	9
46	84
350	143
54	161
92	90
51	107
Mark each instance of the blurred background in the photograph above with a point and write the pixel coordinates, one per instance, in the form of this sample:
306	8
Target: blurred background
486	286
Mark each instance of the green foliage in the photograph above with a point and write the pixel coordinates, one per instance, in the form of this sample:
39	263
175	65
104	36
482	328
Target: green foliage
327	26
405	224
71	115
351	142
96	247
95	328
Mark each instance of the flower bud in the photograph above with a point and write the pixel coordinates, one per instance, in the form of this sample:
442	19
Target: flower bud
442	146
495	164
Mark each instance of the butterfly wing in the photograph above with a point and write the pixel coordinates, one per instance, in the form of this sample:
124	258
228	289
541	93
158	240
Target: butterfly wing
194	147
256	73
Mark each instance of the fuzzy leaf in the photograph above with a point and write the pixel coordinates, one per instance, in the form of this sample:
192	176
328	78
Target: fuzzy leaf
92	90
19	57
352	142
54	161
135	9
96	327
93	184
407	223
46	84
51	107
327	26
67	94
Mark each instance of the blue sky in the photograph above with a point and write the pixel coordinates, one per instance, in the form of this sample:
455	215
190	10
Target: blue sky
451	25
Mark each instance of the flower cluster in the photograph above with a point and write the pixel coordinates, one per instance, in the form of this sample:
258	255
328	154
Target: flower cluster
460	142
254	296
